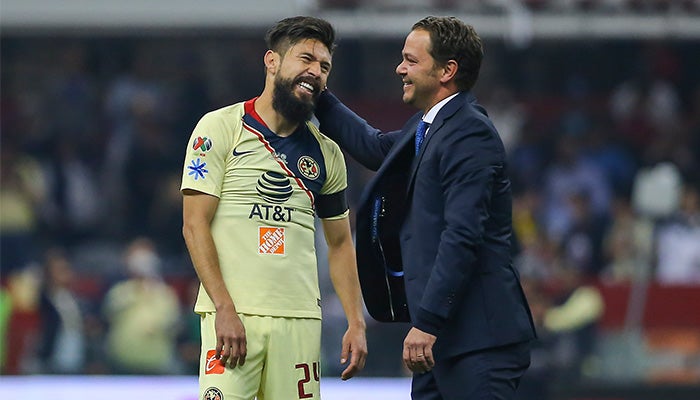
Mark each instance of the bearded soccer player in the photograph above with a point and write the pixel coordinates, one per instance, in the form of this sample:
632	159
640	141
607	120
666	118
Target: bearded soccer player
256	175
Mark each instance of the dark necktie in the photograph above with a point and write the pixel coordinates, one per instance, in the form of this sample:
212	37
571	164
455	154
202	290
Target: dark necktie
420	133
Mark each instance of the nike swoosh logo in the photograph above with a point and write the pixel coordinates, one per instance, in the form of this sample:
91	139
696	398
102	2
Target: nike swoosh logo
240	153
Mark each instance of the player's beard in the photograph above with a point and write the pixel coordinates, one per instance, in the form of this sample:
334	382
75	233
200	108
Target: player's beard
289	105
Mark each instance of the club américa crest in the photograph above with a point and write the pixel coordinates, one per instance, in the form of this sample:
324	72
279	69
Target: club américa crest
308	167
213	393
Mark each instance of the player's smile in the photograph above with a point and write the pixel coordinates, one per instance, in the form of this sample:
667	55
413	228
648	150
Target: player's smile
308	85
305	85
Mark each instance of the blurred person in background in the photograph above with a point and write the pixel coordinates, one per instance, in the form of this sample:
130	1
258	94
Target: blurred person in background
5	313
627	244
537	256
570	325
70	106
69	141
536	383
142	313
566	310
568	173
449	197
509	115
23	286
581	244
73	208
62	349
22	192
256	175
189	338
147	170
677	240
166	218
135	97
602	146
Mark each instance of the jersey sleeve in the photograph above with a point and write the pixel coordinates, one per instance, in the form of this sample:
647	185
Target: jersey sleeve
207	154
332	202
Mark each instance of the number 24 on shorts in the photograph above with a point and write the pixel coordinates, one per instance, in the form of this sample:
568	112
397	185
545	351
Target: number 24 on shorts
307	378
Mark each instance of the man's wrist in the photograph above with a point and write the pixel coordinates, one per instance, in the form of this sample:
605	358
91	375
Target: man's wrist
429	322
357	324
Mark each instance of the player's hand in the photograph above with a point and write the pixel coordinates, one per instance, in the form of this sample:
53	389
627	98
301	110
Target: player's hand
354	347
230	338
418	351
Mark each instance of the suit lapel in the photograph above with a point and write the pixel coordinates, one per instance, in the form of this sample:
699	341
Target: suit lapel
444	114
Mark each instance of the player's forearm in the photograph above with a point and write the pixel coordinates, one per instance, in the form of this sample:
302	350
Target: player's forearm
343	273
205	259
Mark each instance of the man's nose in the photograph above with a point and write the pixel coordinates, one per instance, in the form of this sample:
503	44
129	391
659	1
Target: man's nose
314	68
400	69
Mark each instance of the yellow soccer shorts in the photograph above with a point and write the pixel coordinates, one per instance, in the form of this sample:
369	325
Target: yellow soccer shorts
283	361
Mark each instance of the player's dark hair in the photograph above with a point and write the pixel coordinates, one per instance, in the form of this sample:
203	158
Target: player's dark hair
289	31
452	39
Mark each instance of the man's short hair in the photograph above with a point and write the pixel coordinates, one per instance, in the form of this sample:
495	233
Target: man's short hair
289	31
452	39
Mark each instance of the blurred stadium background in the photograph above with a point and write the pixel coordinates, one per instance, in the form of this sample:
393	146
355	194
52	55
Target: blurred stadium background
597	101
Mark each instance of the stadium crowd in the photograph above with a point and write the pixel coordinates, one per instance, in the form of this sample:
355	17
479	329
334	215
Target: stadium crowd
603	141
538	6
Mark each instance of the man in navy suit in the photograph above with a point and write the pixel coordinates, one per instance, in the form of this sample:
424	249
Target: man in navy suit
437	218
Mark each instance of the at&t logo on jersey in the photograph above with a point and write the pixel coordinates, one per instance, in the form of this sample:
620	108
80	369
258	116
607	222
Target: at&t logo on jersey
275	188
268	212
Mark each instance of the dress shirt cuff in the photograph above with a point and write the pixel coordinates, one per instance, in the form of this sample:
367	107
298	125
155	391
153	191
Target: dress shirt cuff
429	322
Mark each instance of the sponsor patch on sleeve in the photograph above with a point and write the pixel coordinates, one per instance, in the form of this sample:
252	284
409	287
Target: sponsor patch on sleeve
202	144
197	169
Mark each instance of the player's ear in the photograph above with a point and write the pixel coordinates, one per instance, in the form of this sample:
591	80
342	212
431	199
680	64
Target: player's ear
271	60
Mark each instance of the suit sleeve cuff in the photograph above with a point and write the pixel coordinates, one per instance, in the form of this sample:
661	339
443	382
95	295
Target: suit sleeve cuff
429	322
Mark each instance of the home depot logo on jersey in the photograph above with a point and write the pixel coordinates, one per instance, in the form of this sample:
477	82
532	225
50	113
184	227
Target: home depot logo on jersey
270	240
213	364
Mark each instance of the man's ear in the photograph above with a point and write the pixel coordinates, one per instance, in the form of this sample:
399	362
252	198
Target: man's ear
271	60
449	71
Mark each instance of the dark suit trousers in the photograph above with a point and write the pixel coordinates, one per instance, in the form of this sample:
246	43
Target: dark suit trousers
490	374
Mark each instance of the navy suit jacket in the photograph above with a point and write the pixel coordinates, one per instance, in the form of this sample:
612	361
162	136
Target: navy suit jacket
438	222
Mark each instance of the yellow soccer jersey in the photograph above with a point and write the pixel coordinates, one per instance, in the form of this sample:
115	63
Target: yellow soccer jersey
270	188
